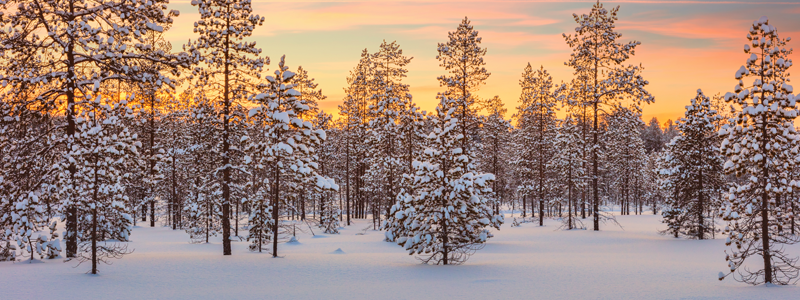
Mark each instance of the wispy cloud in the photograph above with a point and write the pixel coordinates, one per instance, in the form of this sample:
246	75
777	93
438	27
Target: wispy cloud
686	45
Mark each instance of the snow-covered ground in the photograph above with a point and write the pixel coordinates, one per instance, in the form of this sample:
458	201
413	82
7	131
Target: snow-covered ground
527	262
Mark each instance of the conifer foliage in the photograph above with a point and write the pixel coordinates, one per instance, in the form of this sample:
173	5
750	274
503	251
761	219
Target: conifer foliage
567	163
59	52
760	144
226	68
289	147
598	55
695	170
103	157
537	125
447	217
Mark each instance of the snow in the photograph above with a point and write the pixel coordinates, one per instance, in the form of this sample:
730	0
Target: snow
542	262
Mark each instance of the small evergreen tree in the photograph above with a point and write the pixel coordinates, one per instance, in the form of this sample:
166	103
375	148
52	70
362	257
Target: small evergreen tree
695	166
103	158
445	220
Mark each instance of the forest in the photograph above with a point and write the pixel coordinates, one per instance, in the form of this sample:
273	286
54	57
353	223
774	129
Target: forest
107	127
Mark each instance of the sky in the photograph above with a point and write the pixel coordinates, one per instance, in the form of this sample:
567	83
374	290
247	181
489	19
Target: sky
685	45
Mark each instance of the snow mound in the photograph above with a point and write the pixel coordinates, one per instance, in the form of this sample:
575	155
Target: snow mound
338	251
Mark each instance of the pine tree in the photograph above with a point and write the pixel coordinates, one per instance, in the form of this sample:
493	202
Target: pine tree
226	68
310	96
103	157
696	171
290	144
495	138
27	198
653	136
392	100
598	55
537	125
760	144
74	46
355	112
202	205
567	163
329	218
445	220
462	56
625	157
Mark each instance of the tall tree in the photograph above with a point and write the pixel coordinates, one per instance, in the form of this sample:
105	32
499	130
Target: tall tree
597	53
462	57
290	144
494	148
202	205
392	101
75	46
226	67
761	148
355	111
537	114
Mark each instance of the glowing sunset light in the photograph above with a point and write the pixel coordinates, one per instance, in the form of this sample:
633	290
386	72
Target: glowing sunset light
686	45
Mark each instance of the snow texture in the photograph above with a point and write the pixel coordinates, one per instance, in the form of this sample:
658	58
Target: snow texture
634	263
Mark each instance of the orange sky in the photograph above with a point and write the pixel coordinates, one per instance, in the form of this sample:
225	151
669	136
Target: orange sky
686	45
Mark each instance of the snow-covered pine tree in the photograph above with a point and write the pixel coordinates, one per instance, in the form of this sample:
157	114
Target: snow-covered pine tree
575	98
760	144
392	100
330	210
625	157
146	124
666	167
202	205
329	218
355	111
598	55
462	57
290	144
495	136
175	138
102	156
445	220
76	45
537	125
225	70
653	136
413	142
260	220
27	200
309	96
567	163
697	171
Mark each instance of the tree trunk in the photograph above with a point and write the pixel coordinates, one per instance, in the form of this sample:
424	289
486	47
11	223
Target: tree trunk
71	209
226	160
700	209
